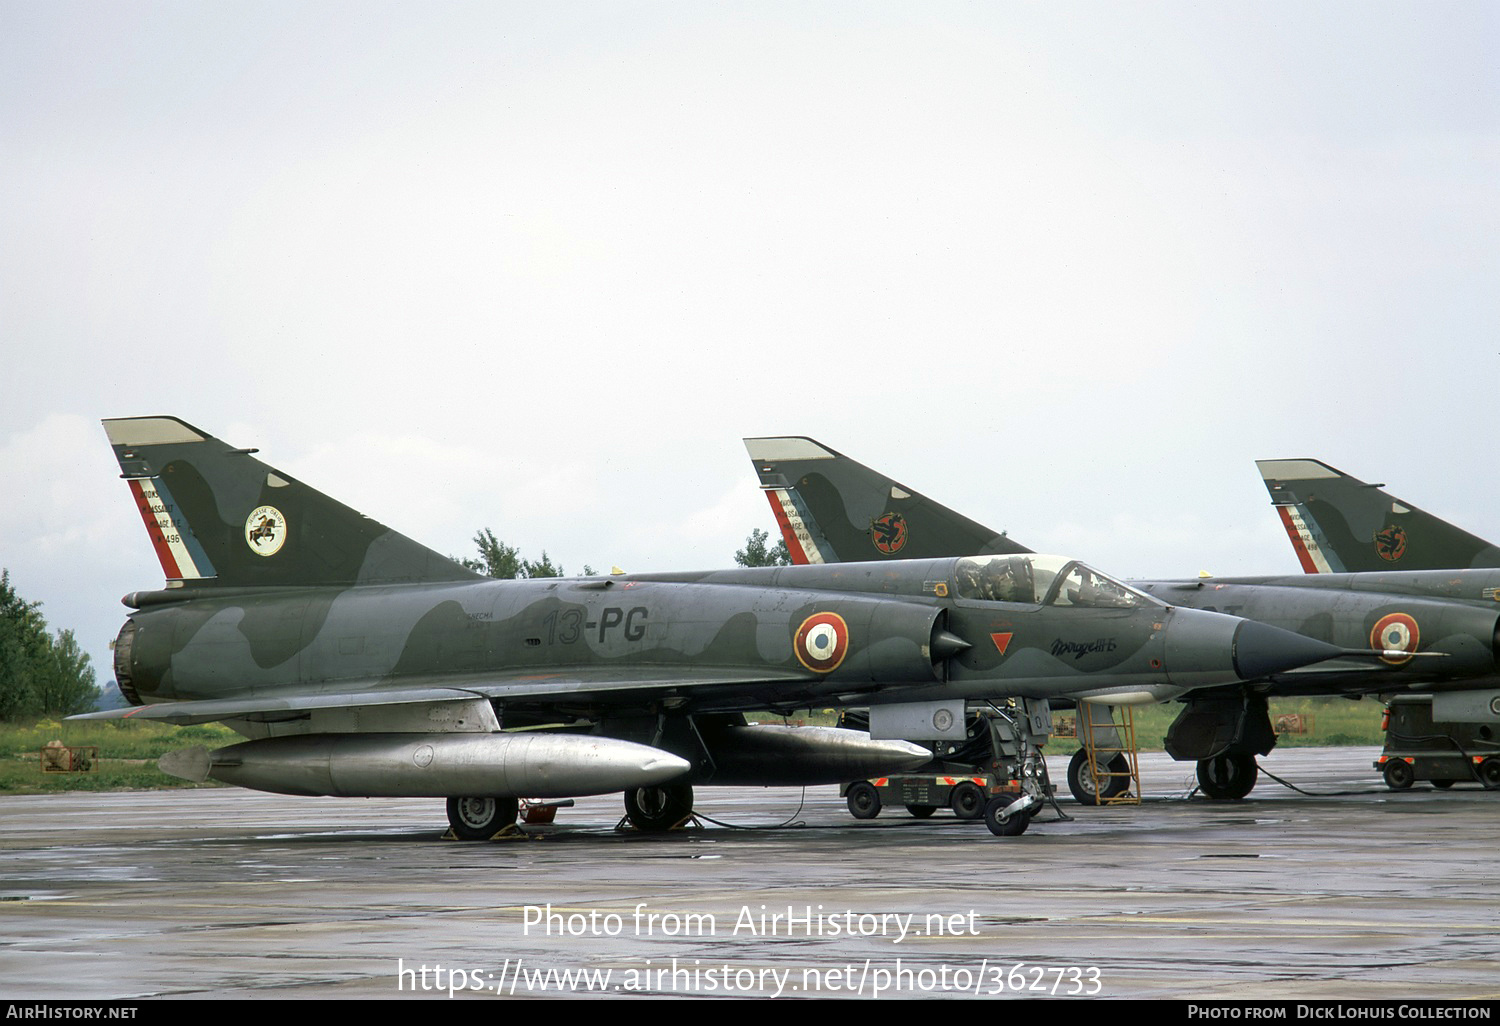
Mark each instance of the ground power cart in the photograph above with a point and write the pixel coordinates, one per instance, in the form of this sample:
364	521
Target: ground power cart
1445	753
998	766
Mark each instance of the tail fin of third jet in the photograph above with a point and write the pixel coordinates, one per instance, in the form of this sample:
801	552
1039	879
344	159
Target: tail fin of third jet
218	517
1340	524
833	510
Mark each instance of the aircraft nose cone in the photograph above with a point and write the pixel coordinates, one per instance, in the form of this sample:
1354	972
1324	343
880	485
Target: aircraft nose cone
1261	650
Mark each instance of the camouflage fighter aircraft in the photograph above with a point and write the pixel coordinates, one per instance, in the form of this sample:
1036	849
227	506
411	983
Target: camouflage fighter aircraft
360	663
1433	632
1340	524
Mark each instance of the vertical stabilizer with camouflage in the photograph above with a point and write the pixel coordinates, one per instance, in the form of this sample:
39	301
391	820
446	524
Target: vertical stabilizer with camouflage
1340	524
831	509
217	516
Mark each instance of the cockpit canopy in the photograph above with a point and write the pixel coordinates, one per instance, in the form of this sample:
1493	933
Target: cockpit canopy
1036	579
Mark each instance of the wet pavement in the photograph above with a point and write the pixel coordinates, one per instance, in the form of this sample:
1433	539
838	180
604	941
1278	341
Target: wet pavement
1348	892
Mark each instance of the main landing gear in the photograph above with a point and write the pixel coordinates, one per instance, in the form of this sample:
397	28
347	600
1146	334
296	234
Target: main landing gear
655	809
1103	771
1085	783
478	819
1229	776
1223	734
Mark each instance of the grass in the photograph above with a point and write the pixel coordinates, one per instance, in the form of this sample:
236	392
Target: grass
127	753
1326	722
128	749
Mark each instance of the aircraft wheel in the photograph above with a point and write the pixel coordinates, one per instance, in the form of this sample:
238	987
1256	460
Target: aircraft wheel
967	801
864	800
1489	774
921	811
1014	826
1085	788
1227	776
1443	785
654	809
1398	774
478	819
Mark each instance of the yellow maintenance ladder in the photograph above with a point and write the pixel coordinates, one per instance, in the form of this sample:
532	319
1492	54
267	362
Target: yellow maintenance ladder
1111	760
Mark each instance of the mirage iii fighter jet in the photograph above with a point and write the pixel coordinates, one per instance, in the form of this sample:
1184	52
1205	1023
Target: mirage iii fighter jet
1433	632
1340	524
360	663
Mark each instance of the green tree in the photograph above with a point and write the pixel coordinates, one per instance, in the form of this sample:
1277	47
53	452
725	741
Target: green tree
68	685
755	552
497	559
39	676
540	568
23	650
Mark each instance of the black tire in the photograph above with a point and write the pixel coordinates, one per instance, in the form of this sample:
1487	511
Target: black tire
1398	774
1014	826
479	819
967	801
1084	787
864	800
921	811
1489	774
1227	777
654	809
1443	785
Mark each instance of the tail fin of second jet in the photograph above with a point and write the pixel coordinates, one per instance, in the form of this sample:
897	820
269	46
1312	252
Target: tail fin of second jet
218	517
833	510
1340	524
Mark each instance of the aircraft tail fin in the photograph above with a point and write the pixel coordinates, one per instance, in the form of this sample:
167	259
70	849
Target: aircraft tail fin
1339	524
218	517
833	510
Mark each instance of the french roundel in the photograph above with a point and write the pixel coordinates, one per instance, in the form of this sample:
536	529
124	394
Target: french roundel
1395	632
822	642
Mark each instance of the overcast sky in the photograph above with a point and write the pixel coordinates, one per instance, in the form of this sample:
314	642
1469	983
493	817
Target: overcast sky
1068	268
